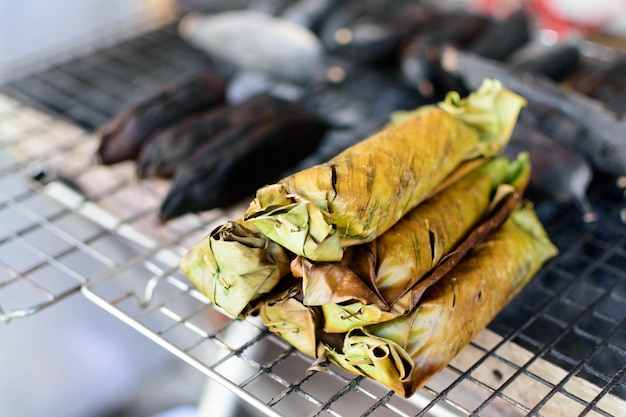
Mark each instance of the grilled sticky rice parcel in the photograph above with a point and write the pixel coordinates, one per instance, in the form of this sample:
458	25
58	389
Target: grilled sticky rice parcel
492	111
386	277
405	352
366	189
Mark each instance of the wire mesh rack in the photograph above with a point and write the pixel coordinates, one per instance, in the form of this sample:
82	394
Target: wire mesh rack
70	225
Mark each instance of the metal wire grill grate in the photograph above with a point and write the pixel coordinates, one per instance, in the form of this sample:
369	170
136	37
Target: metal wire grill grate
110	78
67	225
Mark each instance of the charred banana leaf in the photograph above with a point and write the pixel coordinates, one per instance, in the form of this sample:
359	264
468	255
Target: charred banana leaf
366	189
122	138
247	157
394	264
296	323
405	352
234	265
340	282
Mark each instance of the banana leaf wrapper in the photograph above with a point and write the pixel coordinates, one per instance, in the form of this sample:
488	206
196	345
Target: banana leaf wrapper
284	314
341	318
395	262
234	265
297	324
404	353
366	189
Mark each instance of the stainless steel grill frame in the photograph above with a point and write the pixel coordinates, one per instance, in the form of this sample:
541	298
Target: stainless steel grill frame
558	349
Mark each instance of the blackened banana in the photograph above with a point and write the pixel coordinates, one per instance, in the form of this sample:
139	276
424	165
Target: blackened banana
605	83
557	63
504	38
174	146
372	32
252	159
170	146
572	119
558	173
121	139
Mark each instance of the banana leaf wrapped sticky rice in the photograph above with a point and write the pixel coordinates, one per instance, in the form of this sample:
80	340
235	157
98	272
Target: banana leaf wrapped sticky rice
392	256
366	189
405	352
391	266
234	265
250	264
298	324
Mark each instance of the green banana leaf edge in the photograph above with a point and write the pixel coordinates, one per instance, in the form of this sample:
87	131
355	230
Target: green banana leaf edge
234	265
491	110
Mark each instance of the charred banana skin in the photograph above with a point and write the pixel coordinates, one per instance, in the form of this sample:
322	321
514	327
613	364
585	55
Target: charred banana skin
171	148
491	39
574	120
244	158
606	83
372	33
121	139
557	64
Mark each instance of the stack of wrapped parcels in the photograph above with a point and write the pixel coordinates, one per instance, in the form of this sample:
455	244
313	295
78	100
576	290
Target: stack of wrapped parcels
389	258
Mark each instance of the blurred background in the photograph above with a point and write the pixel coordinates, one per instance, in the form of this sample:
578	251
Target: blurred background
39	32
74	359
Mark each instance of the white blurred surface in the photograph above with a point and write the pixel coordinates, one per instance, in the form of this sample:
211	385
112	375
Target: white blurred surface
73	359
36	31
76	360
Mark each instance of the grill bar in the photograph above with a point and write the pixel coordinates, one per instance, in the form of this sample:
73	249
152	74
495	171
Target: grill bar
260	406
559	388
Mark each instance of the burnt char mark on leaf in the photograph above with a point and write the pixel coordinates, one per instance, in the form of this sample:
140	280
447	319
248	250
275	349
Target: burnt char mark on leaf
500	214
431	241
333	178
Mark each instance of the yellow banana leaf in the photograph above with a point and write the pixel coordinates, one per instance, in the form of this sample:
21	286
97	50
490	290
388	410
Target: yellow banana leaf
326	283
406	253
363	191
296	323
419	241
235	264
404	353
340	318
